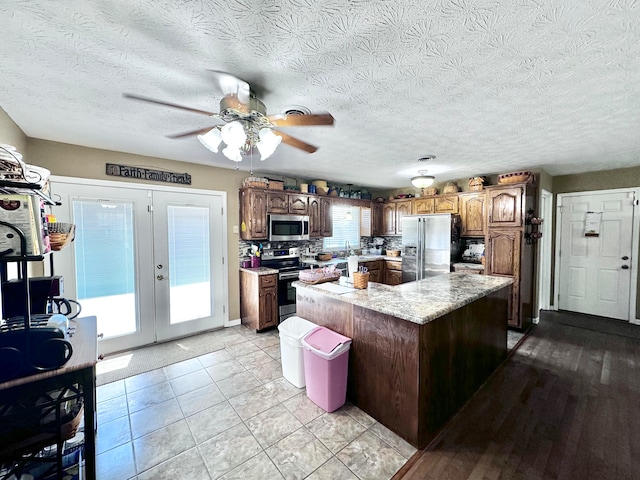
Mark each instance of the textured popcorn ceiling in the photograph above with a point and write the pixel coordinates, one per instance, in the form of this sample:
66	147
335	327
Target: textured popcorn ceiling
488	86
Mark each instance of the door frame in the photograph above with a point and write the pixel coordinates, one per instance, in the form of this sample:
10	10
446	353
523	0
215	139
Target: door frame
168	188
545	254
635	229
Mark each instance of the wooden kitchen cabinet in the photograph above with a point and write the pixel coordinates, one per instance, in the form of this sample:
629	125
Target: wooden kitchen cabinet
281	202
505	207
392	214
253	214
403	208
393	272
472	214
423	205
377	217
446	204
258	300
375	268
326	217
506	251
389	219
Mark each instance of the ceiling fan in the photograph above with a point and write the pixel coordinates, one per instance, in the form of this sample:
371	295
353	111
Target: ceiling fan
246	124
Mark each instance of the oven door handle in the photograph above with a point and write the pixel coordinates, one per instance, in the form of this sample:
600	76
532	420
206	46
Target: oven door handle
287	276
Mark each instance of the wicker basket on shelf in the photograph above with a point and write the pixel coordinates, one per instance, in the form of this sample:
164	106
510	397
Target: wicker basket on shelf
515	177
60	235
393	253
360	280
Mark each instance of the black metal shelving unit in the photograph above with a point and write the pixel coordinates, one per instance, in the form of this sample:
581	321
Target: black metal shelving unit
35	422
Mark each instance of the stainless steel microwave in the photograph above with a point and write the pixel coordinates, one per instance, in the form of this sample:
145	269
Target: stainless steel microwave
283	228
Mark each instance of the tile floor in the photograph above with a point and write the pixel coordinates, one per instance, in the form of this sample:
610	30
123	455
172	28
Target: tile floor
230	414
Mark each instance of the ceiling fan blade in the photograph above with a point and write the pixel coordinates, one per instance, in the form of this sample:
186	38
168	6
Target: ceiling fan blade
294	142
232	85
284	120
168	104
200	131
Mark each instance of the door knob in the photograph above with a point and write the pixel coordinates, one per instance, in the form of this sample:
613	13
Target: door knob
625	258
625	267
159	266
162	277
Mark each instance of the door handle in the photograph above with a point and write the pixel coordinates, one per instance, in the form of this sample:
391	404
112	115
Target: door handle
162	277
625	258
625	267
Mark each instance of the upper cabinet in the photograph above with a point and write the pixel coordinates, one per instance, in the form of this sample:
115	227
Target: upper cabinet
282	202
472	214
446	204
392	214
320	217
253	214
424	205
505	207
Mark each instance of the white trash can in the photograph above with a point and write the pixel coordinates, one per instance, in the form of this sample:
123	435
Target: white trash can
291	355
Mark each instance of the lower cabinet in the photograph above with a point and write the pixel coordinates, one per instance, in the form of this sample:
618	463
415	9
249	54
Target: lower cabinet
376	270
259	300
393	272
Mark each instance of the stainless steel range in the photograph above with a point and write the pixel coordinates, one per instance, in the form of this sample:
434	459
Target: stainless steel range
287	262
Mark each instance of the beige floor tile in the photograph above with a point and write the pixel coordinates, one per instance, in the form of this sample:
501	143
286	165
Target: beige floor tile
116	464
223	370
161	445
112	408
253	402
212	421
242	348
303	408
144	380
200	399
182	368
229	449
190	381
371	458
214	358
149	396
403	447
187	465
282	389
239	383
112	434
272	425
333	469
155	417
258	467
336	430
268	371
110	390
298	454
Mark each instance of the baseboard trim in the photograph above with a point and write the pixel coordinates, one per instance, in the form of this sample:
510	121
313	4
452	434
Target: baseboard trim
233	323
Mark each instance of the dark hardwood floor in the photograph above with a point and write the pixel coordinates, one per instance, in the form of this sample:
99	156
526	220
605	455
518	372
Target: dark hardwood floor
565	405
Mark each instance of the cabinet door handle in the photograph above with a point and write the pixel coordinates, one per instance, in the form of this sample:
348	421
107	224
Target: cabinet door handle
625	267
625	258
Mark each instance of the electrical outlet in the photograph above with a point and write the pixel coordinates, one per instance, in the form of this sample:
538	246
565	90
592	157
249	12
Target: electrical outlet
235	229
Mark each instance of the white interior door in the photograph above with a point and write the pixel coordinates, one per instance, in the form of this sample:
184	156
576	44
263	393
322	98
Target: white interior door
595	269
149	264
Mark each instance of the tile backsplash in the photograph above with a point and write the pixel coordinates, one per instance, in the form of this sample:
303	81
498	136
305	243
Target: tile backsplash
315	245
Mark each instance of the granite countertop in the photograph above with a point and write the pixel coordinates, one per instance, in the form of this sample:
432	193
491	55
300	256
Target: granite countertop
473	266
259	270
418	302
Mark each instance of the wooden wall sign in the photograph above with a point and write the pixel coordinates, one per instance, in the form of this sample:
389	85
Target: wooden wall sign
148	174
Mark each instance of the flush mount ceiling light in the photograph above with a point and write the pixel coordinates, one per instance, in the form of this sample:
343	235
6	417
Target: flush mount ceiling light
423	180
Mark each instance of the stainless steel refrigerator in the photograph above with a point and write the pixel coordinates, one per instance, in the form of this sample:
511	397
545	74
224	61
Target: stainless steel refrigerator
429	244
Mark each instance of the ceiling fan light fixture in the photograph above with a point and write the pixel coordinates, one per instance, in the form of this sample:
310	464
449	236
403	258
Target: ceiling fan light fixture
232	153
423	180
268	143
211	139
233	134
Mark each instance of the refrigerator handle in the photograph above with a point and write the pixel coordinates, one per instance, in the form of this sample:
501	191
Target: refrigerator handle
419	252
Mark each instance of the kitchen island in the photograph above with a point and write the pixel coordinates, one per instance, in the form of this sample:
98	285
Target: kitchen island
420	349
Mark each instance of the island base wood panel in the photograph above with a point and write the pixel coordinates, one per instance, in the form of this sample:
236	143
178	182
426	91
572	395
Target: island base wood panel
412	378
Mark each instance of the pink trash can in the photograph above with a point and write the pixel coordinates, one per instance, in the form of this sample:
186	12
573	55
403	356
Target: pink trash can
326	364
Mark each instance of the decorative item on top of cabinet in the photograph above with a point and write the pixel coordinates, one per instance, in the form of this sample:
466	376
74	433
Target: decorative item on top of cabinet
253	214
476	184
423	205
258	300
446	204
451	187
472	212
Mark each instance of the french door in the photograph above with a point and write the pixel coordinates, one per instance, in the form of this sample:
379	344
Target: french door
148	263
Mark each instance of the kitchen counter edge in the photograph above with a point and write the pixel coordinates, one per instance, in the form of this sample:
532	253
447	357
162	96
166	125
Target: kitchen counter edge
420	301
